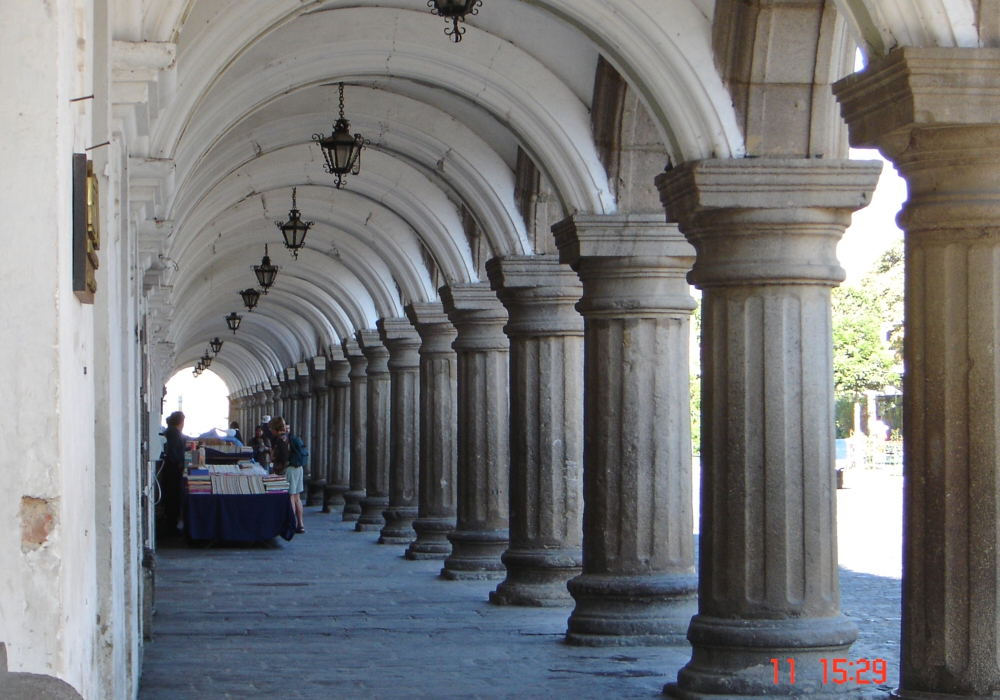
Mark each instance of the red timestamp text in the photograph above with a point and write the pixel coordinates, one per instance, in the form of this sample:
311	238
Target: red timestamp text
841	671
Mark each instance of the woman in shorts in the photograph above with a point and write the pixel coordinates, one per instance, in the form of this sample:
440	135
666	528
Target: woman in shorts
281	453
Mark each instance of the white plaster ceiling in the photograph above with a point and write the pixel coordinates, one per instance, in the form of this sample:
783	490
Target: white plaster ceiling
230	136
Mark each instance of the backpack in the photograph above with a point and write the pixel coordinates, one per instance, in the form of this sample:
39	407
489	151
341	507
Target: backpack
298	452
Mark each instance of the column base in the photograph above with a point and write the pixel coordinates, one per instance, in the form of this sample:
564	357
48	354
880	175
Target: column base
352	505
611	610
432	539
314	492
371	519
476	555
398	527
333	498
537	578
732	658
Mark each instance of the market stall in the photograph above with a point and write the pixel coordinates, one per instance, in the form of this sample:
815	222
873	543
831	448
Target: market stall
231	499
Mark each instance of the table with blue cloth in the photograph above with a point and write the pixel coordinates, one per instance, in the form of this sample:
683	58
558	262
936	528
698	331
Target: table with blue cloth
239	518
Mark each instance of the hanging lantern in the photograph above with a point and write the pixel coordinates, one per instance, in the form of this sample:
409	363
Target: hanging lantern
266	272
233	321
251	297
216	345
206	361
341	151
295	229
455	12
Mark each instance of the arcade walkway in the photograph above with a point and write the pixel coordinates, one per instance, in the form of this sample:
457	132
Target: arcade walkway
332	615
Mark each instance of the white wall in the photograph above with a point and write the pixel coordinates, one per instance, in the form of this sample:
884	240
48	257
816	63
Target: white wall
69	544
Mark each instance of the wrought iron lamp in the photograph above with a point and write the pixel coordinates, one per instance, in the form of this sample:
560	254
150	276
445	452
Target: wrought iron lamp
266	272
295	229
341	151
216	345
251	297
455	12
233	320
206	361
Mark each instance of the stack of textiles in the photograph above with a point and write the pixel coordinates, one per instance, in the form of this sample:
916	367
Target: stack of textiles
199	481
275	484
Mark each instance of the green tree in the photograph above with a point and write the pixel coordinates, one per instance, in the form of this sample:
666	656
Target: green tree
886	280
861	359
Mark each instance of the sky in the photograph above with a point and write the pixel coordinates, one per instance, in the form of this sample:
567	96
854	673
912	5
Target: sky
204	401
873	229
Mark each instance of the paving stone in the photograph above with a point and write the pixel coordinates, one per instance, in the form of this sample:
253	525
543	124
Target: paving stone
333	615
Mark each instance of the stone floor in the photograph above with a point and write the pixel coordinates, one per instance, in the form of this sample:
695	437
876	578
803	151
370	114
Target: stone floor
333	615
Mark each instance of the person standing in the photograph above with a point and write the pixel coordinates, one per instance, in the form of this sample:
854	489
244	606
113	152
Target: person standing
172	473
261	447
281	453
236	426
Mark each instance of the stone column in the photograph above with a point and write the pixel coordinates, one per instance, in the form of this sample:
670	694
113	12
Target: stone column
438	431
935	113
378	449
268	399
766	233
546	428
273	409
358	445
483	351
305	415
338	476
318	420
638	584
403	344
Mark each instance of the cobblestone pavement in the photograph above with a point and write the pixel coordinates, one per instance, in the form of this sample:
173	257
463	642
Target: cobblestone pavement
333	615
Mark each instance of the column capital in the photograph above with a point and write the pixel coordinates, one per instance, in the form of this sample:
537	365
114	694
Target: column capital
302	380
630	264
766	220
539	293
478	316
375	351
338	373
585	236
402	341
317	375
356	358
437	332
919	87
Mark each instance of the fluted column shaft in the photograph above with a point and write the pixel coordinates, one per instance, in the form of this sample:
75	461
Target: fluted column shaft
766	234
358	444
403	344
546	428
304	415
481	534
315	418
438	431
638	584
379	446
935	113
338	478
268	406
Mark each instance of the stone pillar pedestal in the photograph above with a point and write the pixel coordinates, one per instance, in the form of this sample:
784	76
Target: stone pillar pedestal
766	234
403	343
358	446
638	585
483	354
338	477
378	449
438	431
935	113
546	428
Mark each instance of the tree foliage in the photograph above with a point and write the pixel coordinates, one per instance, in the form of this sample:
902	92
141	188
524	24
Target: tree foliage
862	360
886	279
